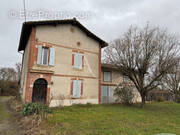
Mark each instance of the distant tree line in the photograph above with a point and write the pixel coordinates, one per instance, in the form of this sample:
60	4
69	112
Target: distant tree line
9	79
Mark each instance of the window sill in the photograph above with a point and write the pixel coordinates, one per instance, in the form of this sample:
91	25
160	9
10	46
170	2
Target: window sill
76	69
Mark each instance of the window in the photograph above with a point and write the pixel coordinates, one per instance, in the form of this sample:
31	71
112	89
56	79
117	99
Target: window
43	57
77	89
126	79
45	52
107	76
78	61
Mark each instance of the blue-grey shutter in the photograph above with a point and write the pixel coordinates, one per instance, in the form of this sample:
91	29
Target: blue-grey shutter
52	57
76	62
78	88
80	60
74	95
39	57
104	94
111	94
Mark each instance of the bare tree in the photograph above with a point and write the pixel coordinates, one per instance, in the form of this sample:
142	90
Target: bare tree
7	74
171	82
144	55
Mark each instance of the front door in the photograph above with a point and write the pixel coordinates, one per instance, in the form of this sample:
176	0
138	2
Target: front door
39	91
107	94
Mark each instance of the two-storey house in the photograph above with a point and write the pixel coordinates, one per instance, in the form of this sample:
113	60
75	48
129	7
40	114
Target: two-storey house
61	63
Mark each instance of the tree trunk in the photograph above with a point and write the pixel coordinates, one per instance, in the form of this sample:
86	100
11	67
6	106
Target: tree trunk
143	97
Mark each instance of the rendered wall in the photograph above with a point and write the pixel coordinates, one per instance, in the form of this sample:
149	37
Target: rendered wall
65	39
117	78
24	70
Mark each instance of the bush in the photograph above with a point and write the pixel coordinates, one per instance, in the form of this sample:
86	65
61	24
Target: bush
124	95
160	99
178	100
35	108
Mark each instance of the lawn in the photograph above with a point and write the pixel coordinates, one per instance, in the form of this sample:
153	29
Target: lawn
115	120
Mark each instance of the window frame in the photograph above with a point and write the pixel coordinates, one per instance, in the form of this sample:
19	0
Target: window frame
110	76
73	60
72	88
125	77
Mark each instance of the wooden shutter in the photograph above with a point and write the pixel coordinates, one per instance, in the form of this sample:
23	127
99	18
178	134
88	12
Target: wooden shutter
104	94
76	62
52	57
111	94
78	88
80	60
39	57
74	94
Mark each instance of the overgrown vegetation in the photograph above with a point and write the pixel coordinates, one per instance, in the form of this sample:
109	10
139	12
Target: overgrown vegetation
9	78
35	108
124	95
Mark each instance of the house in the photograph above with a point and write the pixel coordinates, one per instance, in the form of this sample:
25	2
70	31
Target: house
61	64
110	79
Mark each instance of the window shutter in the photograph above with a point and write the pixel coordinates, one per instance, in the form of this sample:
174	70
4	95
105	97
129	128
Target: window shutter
74	95
80	60
39	57
52	57
78	88
76	60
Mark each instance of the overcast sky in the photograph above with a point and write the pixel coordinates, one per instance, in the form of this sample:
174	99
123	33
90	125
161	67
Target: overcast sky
108	19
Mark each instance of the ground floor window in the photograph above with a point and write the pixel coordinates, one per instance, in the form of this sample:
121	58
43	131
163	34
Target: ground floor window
77	88
107	94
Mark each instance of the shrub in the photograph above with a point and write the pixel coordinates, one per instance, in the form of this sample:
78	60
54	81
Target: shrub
160	99
35	108
124	95
178	100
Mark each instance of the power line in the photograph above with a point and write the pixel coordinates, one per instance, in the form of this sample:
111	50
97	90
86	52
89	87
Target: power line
24	10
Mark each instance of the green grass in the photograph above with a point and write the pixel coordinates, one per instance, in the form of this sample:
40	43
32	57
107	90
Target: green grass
3	111
115	120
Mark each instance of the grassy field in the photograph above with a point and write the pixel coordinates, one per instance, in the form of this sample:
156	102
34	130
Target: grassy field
115	120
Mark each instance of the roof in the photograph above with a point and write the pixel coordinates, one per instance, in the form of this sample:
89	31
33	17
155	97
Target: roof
108	66
27	27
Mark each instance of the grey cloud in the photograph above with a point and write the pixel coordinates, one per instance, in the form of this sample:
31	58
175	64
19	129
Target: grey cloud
108	19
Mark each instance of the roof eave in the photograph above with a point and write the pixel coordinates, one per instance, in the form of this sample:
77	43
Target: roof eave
27	26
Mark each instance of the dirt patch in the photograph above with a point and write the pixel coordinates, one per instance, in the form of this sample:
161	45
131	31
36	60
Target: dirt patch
7	126
29	125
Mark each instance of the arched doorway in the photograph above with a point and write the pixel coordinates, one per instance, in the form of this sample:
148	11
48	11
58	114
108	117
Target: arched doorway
39	90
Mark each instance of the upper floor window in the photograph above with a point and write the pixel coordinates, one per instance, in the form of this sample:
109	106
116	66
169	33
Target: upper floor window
78	60
126	79
107	76
46	56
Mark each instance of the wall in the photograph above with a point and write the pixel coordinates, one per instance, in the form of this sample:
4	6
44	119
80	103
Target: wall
117	78
66	40
24	70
